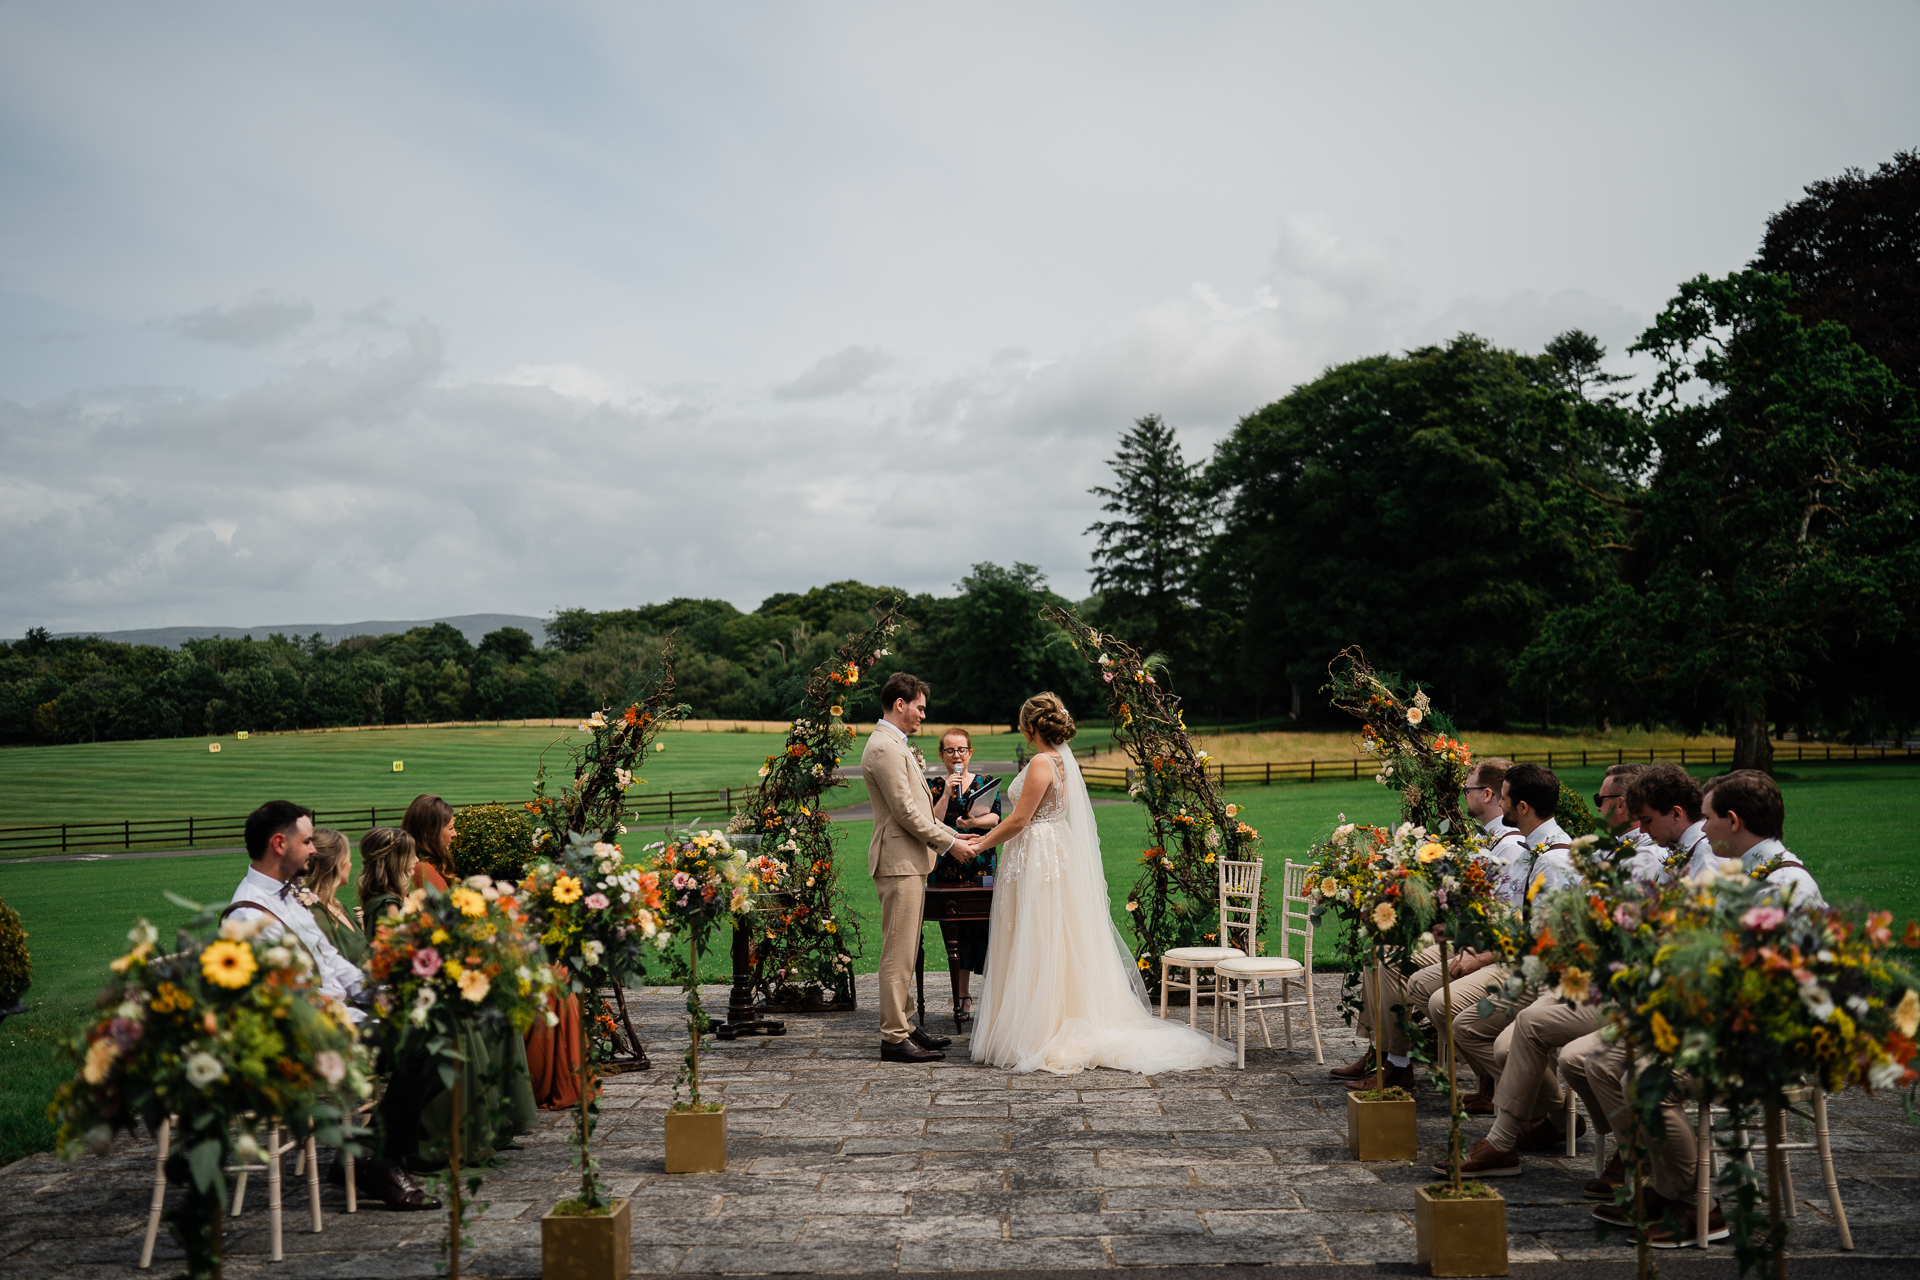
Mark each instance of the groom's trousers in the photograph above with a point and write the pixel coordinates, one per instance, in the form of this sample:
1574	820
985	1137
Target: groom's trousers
902	902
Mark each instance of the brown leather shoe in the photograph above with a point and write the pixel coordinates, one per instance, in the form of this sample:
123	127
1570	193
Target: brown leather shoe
927	1039
1686	1233
1616	1216
1541	1135
1610	1180
1360	1066
1484	1160
908	1051
1396	1078
393	1187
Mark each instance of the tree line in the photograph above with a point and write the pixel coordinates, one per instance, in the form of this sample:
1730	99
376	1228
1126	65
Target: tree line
1732	545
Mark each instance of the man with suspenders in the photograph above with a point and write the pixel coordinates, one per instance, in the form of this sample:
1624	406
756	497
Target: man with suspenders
1523	1107
279	837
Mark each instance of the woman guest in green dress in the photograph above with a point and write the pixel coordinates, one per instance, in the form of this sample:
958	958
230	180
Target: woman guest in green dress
327	873
956	797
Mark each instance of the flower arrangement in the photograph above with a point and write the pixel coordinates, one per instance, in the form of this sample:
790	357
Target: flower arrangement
452	967
225	1035
808	938
704	880
594	804
1176	900
1418	754
596	915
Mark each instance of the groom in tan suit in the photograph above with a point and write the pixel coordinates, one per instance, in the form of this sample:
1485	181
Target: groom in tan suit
906	841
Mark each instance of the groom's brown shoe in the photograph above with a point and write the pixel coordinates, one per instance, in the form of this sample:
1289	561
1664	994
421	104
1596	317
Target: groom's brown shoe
928	1040
908	1051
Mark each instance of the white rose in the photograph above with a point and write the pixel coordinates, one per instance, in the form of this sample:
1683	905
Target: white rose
330	1065
204	1069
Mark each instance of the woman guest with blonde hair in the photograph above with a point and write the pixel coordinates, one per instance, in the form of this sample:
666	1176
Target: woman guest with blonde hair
327	873
387	856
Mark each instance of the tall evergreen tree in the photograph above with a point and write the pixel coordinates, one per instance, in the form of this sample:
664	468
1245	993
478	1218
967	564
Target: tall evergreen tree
1146	559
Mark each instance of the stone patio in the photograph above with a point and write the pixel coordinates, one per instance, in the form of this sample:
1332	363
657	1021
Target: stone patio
842	1164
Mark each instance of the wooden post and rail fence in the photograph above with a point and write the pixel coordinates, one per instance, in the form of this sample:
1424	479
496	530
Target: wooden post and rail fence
716	804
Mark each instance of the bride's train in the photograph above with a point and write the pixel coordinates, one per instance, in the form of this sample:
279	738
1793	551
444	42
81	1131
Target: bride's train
1060	991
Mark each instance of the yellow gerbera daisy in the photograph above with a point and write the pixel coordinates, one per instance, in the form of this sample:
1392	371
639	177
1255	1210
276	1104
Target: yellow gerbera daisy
469	901
228	964
566	889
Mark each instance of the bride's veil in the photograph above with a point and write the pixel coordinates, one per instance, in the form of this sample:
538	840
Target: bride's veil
1085	876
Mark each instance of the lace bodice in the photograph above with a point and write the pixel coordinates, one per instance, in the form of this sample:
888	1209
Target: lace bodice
1053	806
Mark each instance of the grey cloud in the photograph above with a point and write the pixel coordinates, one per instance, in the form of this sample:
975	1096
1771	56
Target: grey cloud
843	371
253	321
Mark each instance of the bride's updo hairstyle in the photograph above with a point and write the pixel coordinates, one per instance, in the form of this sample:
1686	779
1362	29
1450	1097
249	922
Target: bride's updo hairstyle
1045	717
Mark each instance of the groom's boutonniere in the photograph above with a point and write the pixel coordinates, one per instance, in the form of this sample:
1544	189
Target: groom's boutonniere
307	897
918	758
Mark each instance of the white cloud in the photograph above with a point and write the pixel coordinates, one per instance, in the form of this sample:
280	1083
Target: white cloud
843	371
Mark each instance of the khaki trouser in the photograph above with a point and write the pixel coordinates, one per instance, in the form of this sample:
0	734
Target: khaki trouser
1672	1152
901	901
1478	1041
1573	1070
1467	992
1396	989
1526	1066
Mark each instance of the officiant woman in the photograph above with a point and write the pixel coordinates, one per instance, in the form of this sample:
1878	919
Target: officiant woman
967	802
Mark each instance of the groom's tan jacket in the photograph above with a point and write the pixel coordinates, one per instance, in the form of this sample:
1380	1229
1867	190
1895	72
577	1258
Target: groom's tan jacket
906	839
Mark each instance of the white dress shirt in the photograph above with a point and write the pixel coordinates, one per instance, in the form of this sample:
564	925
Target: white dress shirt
1794	885
339	977
1556	865
1699	849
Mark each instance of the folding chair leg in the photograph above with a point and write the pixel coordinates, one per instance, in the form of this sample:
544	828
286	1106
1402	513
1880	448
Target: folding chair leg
1286	1011
1823	1140
1573	1125
1703	1175
273	1190
1242	1040
239	1192
1260	1010
1166	982
312	1155
1792	1207
1193	998
353	1194
159	1194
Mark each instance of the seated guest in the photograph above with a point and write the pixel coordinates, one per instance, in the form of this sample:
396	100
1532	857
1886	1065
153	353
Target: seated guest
1647	862
386	874
279	836
496	1065
1744	816
429	820
1665	800
965	801
327	873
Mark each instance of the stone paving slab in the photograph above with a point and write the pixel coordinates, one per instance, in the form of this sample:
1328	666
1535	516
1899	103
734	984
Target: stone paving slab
843	1165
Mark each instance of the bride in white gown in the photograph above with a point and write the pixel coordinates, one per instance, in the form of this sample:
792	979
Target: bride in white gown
1061	990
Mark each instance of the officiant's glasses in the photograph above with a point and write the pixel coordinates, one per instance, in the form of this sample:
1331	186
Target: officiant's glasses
955	751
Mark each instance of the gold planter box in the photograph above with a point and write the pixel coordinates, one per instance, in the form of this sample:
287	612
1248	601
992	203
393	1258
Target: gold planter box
1460	1237
1381	1130
697	1141
583	1248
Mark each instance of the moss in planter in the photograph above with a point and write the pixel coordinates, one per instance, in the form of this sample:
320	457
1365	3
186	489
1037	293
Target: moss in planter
1467	1191
1384	1095
575	1209
683	1108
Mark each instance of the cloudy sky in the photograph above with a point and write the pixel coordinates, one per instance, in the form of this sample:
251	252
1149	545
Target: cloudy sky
327	312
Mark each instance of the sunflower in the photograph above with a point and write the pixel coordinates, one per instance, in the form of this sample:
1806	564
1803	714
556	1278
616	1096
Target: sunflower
228	964
566	889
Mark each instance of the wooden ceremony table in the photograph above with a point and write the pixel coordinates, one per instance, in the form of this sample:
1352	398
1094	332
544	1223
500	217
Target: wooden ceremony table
956	904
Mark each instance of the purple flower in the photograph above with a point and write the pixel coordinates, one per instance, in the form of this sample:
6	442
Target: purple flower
426	962
597	902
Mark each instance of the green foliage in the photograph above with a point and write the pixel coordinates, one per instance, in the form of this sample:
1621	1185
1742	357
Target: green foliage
16	962
492	840
1429	508
1145	561
1574	815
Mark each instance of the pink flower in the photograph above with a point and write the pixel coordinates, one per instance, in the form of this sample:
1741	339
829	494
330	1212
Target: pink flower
1764	918
1107	676
597	902
681	880
426	962
1625	916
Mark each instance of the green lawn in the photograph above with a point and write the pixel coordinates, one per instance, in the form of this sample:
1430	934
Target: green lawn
1847	821
179	777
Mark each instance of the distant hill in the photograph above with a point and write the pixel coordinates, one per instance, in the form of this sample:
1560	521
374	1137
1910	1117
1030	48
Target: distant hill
471	625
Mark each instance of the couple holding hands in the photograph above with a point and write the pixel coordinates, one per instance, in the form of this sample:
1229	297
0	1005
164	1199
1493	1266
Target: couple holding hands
1061	991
